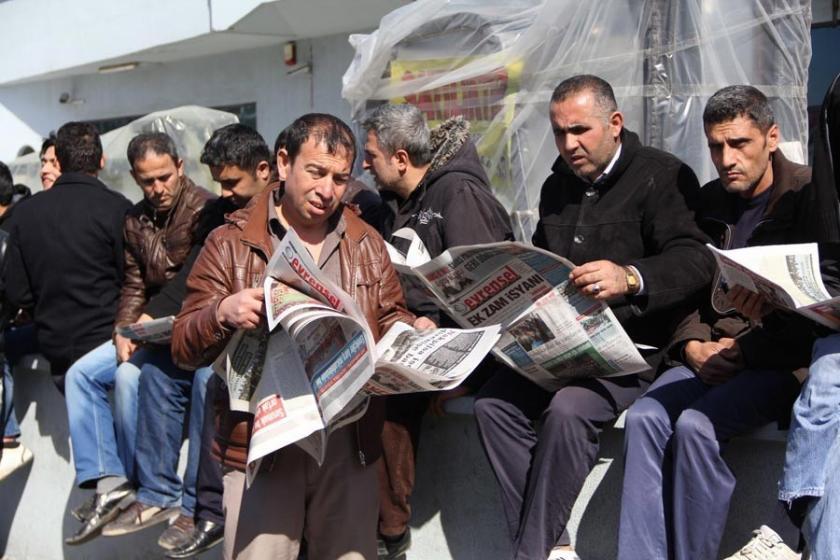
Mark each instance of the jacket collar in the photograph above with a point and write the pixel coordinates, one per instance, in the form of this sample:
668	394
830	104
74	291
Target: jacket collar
784	179
630	144
76	178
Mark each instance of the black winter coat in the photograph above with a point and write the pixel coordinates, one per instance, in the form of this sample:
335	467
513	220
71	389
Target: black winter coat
65	263
639	215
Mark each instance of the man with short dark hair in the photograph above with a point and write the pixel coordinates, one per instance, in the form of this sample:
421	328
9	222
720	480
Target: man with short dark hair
438	189
158	234
334	505
65	261
736	373
617	209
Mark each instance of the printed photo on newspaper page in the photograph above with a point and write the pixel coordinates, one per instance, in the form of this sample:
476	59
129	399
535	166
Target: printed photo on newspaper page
787	276
241	366
428	360
550	331
158	331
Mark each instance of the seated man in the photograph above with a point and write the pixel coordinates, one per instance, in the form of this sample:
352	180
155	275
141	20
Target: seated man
158	233
734	377
334	505
617	210
165	390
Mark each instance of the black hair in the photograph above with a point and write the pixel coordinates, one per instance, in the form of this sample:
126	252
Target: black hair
324	128
731	102
156	142
21	192
236	144
280	142
7	185
49	142
600	88
78	148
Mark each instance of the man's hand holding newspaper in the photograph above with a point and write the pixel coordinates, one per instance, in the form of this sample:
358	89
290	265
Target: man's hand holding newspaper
311	365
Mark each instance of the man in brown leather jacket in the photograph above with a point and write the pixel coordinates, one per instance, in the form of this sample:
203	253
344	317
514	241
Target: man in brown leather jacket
336	503
158	234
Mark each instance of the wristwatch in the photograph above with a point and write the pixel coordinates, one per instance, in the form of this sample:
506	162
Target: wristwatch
633	285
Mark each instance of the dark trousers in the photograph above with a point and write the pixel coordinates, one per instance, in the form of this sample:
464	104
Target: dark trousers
210	482
541	474
677	487
395	472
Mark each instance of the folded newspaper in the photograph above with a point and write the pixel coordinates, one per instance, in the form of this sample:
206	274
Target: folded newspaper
551	331
157	330
788	276
313	366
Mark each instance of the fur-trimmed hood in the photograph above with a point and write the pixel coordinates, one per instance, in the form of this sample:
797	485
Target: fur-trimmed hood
453	150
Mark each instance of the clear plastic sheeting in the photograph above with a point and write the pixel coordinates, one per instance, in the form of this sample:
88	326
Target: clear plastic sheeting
497	62
190	127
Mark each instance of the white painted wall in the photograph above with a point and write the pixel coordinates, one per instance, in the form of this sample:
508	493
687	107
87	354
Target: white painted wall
30	111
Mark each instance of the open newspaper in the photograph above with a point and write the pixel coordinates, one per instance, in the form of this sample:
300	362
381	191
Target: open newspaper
313	366
158	331
787	276
551	332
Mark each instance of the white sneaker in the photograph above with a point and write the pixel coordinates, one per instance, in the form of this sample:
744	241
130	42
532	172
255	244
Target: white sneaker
558	553
765	545
14	458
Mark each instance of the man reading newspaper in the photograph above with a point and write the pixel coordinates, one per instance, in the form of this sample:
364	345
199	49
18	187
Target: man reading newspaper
616	209
333	505
735	377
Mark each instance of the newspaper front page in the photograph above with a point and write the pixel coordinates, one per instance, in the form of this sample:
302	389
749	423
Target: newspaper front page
313	366
787	276
551	332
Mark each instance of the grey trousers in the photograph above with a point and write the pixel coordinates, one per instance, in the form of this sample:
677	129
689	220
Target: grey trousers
334	506
541	475
677	487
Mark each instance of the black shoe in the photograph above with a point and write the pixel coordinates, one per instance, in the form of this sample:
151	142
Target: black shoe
205	536
106	508
85	510
394	548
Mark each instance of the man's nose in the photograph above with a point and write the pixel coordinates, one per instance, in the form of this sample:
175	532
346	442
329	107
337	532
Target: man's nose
727	157
570	143
365	164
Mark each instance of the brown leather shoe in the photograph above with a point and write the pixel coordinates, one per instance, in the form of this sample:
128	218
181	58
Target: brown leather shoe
178	533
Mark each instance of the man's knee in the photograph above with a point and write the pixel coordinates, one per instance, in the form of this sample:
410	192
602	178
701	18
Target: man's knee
646	415
693	425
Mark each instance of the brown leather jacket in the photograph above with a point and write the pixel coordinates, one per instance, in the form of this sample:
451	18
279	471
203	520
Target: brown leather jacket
156	246
234	258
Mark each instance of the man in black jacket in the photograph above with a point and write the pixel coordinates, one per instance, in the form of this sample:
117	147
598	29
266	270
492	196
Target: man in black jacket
735	377
618	210
65	261
432	183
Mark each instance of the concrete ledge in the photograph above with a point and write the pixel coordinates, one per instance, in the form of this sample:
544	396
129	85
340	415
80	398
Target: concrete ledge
457	512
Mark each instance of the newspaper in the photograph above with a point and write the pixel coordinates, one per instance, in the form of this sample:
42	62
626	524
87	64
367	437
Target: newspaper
313	365
158	331
787	276
551	332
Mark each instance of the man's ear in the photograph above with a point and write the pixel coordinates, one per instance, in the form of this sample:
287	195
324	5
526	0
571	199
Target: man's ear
263	171
773	137
179	165
402	160
102	162
283	164
616	121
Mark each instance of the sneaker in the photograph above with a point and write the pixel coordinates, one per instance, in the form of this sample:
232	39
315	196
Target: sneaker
393	548
178	533
765	545
13	457
138	516
563	553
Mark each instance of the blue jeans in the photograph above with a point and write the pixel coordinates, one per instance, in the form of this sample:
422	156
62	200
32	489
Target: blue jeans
812	459
820	527
165	391
815	424
103	442
677	487
19	341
